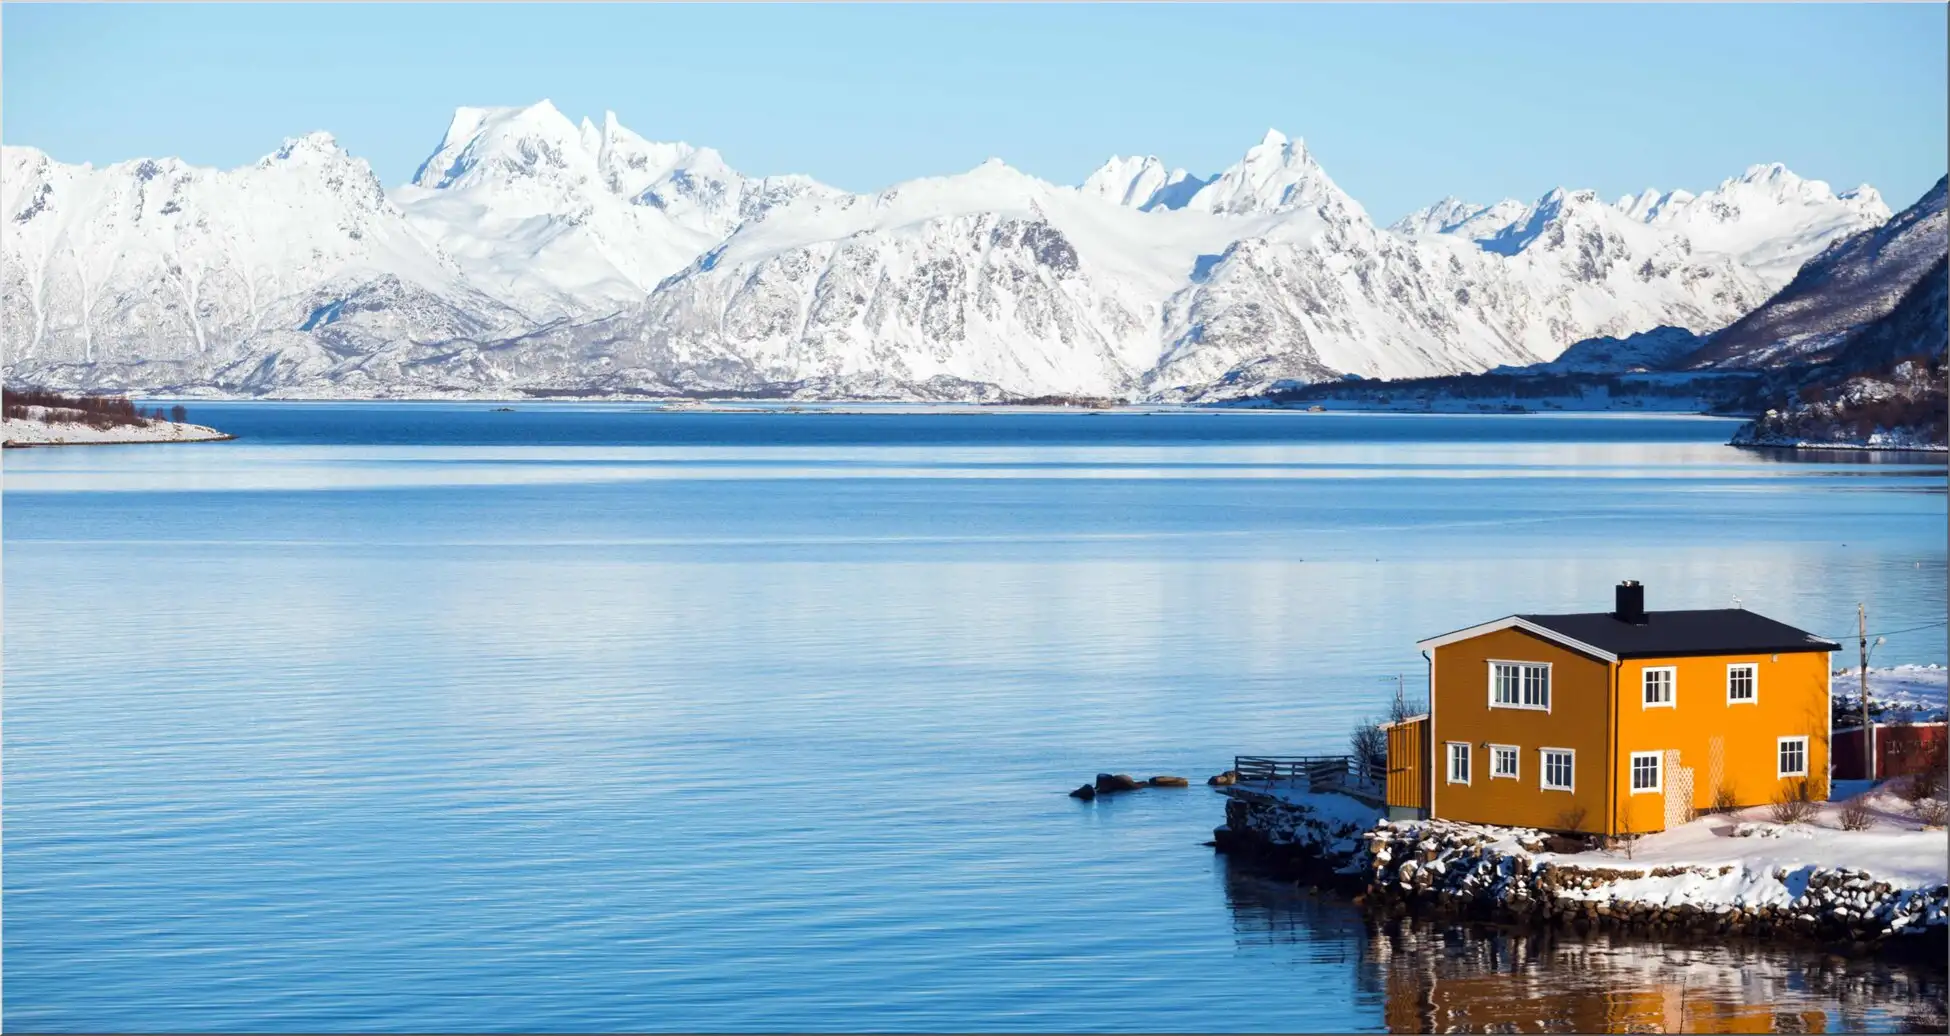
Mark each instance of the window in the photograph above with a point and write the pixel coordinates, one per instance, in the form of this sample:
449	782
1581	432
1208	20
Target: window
1458	762
1503	760
1742	682
1520	685
1658	687
1794	757
1645	772
1558	769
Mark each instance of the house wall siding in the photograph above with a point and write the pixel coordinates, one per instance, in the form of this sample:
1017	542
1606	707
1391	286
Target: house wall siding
1724	745
1408	775
1578	719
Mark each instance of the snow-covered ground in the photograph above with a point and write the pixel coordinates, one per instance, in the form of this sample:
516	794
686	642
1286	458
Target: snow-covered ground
1764	862
1330	808
31	432
1917	691
1766	856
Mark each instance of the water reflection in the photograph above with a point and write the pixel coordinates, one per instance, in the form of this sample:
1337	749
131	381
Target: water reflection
1453	977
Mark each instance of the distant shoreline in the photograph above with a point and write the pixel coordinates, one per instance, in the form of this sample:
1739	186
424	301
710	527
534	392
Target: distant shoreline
23	434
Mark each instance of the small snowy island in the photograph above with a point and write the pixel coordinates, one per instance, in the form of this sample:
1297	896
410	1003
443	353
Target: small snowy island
1864	867
38	418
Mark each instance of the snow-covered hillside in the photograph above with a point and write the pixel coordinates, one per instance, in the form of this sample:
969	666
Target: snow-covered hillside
1858	279
531	251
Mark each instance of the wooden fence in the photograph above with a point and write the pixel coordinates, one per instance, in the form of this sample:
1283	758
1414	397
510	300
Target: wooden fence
1314	772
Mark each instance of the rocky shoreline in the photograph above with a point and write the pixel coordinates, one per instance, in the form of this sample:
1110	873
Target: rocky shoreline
1437	868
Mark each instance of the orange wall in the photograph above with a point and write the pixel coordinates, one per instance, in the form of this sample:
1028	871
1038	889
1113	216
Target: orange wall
1579	719
1408	774
1731	744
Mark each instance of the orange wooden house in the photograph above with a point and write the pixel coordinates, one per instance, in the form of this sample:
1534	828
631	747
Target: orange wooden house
1610	723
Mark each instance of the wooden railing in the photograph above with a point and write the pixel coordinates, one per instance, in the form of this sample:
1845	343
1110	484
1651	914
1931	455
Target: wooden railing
1315	772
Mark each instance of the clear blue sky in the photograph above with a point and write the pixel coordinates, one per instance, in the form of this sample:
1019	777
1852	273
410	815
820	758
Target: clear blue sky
1402	104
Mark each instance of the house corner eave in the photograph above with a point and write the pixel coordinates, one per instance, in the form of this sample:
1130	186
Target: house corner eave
1520	623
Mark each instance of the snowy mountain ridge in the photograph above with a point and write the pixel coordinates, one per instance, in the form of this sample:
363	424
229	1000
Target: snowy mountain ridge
532	252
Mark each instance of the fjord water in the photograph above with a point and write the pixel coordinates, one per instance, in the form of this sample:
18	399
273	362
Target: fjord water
410	717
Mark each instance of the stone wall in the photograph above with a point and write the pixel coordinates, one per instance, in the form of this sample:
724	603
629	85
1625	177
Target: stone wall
1457	868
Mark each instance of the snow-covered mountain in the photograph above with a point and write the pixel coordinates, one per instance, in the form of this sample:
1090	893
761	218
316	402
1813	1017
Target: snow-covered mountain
1769	219
1857	280
152	273
1141	183
534	252
570	220
1454	216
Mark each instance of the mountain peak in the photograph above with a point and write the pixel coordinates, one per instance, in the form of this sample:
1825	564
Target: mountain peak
1452	215
1864	195
506	143
1769	171
312	147
1276	175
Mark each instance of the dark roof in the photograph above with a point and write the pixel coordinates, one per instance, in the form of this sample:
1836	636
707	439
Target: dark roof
1718	631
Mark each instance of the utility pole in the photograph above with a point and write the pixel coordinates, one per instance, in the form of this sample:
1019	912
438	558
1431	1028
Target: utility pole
1862	672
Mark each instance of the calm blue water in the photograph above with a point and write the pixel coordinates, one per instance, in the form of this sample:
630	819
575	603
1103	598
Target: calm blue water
412	717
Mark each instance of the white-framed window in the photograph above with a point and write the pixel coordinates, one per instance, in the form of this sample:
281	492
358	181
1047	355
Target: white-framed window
1458	762
1646	772
1503	760
1659	683
1520	685
1559	769
1794	757
1743	683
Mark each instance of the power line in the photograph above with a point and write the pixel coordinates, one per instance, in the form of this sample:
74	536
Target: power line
1889	633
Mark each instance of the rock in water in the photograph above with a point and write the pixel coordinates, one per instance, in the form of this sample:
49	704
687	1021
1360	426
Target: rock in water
1086	793
1220	780
1115	782
1168	782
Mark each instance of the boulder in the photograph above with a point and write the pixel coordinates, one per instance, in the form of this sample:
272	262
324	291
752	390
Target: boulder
1168	782
1222	779
1085	793
1115	782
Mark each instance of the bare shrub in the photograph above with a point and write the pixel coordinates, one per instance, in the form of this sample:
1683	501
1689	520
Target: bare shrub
94	411
1571	819
1724	800
1625	840
1930	812
1793	804
1856	815
1368	743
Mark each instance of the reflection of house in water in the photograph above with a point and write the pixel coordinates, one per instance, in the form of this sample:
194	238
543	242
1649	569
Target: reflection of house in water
1428	977
1456	979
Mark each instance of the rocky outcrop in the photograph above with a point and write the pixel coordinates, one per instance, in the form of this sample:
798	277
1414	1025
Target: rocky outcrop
1292	840
1116	782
